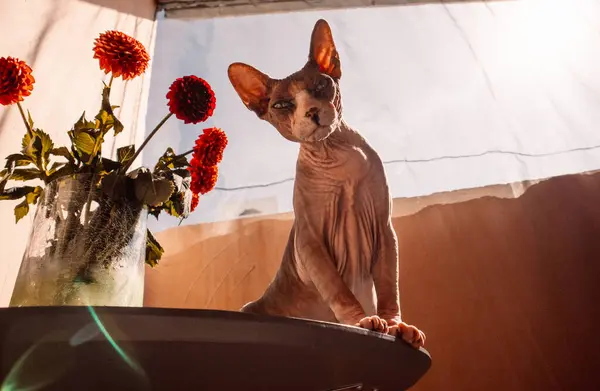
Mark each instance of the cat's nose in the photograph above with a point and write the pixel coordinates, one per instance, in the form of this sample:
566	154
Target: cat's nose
313	114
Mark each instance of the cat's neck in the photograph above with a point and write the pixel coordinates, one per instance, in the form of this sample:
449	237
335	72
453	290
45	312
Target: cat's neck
341	139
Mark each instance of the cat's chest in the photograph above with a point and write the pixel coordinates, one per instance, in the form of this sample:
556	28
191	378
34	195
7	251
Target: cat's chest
347	222
351	168
349	182
341	170
345	207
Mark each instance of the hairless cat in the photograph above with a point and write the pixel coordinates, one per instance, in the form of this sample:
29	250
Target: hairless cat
341	260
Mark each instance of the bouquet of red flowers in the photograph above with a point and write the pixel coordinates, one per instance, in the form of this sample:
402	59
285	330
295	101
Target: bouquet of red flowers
173	185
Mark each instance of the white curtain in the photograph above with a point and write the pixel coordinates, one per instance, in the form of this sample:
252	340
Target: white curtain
452	96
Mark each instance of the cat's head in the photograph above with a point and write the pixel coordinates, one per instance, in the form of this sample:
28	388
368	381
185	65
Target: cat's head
305	106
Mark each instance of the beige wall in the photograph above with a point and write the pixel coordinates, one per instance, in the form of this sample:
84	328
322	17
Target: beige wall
56	37
504	280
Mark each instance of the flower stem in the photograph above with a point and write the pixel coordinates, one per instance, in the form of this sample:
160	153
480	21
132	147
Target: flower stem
183	154
24	119
112	77
161	123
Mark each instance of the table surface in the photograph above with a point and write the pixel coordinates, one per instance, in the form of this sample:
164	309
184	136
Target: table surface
111	348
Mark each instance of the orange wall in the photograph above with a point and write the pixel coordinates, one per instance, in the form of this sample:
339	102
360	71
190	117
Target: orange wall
507	289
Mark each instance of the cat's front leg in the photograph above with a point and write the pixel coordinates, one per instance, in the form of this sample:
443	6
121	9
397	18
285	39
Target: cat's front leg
385	277
317	261
254	307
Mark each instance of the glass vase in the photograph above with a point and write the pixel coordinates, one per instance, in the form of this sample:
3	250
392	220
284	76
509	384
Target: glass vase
84	248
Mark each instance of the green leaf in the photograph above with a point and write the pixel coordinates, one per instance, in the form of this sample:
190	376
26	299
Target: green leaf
86	141
155	211
63	171
154	250
182	172
21	210
181	184
26	174
125	154
170	206
37	145
4	175
98	145
64	152
17	159
149	189
109	165
14	193
106	98
29	119
27	145
32	196
115	186
55	166
170	161
161	191
106	116
47	145
180	202
118	126
85	145
83	124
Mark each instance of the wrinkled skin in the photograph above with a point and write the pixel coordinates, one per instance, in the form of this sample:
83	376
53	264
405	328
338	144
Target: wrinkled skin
341	260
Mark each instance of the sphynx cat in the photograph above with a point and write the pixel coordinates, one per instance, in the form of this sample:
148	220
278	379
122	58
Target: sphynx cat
341	260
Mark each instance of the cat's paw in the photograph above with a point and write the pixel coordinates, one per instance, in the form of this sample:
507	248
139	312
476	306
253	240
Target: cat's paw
374	323
408	333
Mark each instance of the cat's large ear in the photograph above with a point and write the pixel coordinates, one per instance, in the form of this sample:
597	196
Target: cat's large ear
251	85
323	52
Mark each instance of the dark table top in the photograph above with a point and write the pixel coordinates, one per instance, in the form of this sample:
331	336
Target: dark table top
108	348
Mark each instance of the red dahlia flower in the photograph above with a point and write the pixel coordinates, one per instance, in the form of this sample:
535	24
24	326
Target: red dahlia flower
121	54
204	178
195	200
191	99
210	146
16	80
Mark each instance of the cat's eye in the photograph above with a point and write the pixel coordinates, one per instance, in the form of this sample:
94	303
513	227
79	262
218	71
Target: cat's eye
282	104
322	84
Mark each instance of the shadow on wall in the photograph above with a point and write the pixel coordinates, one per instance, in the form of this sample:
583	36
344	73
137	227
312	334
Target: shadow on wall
32	56
507	290
138	8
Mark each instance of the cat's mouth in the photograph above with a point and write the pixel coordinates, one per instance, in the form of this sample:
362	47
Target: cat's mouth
319	133
309	135
322	123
